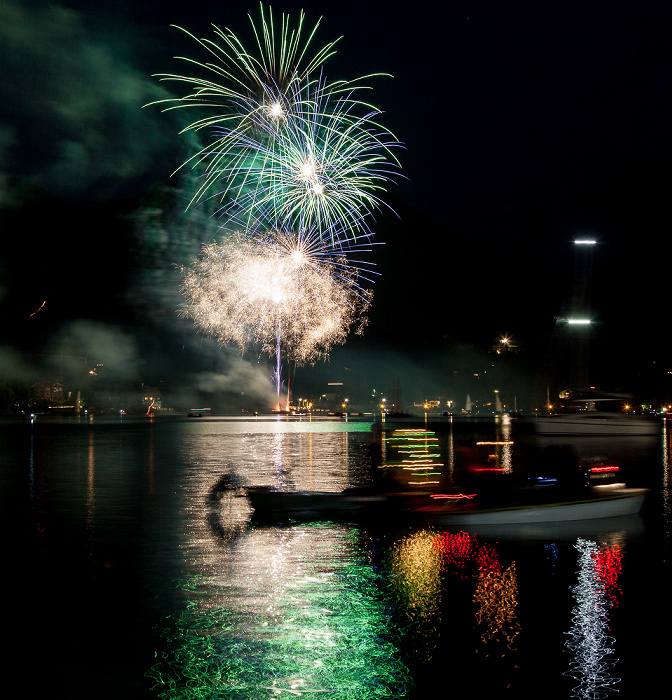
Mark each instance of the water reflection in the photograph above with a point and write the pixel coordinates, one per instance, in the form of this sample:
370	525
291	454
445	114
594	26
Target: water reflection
272	611
292	611
496	593
419	563
589	640
414	454
496	598
667	480
415	569
291	461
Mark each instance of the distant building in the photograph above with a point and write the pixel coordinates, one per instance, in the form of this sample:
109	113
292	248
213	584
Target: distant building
47	390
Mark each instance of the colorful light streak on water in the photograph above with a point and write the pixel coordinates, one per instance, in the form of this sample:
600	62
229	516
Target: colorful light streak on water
608	564
496	594
667	482
298	611
457	549
496	598
415	453
99	479
418	563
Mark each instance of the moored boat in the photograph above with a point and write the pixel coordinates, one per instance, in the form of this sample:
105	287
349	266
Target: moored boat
596	423
589	412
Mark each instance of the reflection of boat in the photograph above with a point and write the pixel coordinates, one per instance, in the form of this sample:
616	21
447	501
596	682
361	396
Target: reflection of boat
609	502
596	423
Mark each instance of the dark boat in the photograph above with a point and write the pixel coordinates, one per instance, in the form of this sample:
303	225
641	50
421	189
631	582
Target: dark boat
266	501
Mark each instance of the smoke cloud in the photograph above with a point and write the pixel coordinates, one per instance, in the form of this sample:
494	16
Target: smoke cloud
72	121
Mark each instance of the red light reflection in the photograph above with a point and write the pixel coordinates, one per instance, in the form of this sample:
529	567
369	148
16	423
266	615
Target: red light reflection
608	566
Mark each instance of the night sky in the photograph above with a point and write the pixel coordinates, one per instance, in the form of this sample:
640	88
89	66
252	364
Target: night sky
525	124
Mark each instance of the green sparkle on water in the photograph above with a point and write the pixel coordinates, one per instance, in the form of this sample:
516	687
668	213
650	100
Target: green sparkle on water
324	631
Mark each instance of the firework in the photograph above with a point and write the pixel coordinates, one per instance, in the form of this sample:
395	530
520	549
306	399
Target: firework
296	165
287	145
278	291
323	168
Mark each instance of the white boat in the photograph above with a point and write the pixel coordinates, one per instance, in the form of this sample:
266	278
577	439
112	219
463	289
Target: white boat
596	423
615	502
589	412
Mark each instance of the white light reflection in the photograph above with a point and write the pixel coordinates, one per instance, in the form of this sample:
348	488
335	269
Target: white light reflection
589	641
667	481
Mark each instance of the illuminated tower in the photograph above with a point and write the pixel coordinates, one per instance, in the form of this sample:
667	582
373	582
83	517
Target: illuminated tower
579	318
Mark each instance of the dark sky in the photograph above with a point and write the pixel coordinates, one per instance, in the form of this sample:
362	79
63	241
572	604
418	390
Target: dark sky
525	125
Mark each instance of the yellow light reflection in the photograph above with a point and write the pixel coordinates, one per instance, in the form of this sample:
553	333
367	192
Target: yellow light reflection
416	580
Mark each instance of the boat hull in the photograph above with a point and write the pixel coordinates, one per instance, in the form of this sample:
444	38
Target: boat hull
595	424
627	502
266	501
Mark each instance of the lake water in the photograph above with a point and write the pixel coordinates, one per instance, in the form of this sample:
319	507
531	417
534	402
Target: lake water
123	578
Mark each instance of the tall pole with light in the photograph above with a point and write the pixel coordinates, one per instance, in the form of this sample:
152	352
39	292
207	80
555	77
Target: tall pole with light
580	319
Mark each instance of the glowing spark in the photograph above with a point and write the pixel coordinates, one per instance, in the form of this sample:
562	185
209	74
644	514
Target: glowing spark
38	309
276	110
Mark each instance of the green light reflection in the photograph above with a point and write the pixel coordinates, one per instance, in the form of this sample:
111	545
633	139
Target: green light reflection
301	613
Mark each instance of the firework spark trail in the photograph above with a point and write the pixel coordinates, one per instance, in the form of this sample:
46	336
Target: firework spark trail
284	140
39	308
325	167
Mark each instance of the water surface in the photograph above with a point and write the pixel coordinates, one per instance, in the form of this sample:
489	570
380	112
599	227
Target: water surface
124	578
